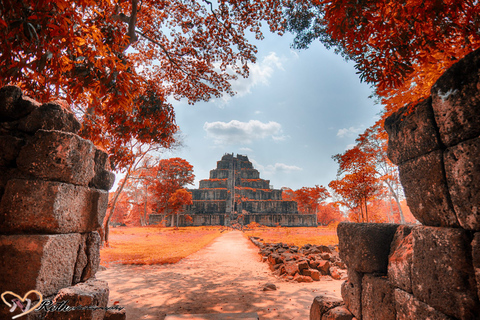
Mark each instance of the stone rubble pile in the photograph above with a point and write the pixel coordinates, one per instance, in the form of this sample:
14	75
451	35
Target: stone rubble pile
54	195
305	264
428	271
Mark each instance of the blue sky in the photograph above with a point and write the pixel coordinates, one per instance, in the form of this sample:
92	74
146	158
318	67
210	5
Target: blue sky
296	110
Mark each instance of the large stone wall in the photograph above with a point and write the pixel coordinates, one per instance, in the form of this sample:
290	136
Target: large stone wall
429	271
54	194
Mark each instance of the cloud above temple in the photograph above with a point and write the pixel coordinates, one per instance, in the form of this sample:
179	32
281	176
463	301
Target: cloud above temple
275	168
240	133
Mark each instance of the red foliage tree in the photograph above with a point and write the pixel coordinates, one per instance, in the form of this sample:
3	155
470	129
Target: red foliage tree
177	203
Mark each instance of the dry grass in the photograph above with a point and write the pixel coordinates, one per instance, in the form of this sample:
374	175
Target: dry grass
296	236
155	245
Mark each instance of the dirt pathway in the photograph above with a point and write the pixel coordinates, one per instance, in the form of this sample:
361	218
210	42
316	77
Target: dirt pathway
226	276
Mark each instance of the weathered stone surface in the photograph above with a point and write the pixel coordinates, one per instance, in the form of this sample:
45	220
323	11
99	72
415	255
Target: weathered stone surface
50	207
412	132
462	169
59	156
365	247
456	100
88	257
291	268
321	305
50	260
476	259
409	308
300	278
13	105
338	313
103	179
442	271
81	262
425	187
55	115
92	293
378	301
10	148
269	287
113	314
352	293
400	259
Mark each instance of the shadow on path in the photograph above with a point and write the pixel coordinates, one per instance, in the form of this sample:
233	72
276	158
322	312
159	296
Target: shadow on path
226	276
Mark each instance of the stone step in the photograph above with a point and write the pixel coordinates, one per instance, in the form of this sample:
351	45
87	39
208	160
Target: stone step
214	316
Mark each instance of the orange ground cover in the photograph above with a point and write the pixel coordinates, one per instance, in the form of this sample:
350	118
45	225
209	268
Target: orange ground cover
297	236
155	245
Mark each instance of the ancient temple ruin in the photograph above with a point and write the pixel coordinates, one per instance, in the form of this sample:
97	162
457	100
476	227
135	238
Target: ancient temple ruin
234	193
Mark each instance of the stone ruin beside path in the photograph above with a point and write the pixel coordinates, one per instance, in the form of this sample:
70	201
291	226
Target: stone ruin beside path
428	271
235	193
54	195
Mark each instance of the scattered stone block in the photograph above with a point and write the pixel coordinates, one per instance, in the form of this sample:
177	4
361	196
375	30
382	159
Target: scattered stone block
324	267
58	156
442	272
291	268
50	260
400	259
338	313
425	187
103	179
456	100
321	305
14	105
50	207
55	115
114	314
92	293
300	278
352	293
378	300
462	169
365	247
409	308
269	287
412	132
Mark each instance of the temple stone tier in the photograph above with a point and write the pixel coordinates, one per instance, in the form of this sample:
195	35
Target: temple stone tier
235	193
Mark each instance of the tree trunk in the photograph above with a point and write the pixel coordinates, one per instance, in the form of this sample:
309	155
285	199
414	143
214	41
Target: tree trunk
106	220
173	221
395	196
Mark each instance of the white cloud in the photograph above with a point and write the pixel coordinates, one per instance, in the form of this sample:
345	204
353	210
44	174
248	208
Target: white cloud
260	73
246	149
275	168
237	132
350	132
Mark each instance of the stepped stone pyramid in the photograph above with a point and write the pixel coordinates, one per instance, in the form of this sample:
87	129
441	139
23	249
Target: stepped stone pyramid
234	193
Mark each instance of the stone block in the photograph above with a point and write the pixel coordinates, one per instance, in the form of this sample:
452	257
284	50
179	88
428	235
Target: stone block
14	105
352	293
425	187
338	313
442	271
37	262
476	259
456	100
88	257
323	266
114	314
92	293
10	147
291	268
50	207
378	300
400	259
462	169
364	247
58	156
55	115
103	179
409	308
412	132
321	305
